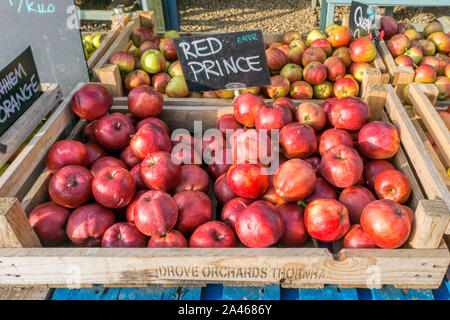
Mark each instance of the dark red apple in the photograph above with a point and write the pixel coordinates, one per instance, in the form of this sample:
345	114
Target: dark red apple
378	140
128	157
227	122
373	168
213	234
311	114
271	194
105	162
294	233
48	221
194	209
272	117
323	44
322	190
91	102
246	106
349	114
389	25
192	178
393	185
94	151
113	187
315	73
222	190
140	35
341	166
333	137
124	235
355	198
248	180
150	138
89	131
159	172
232	209
314	162
356	238
335	68
221	163
172	239
298	140
71	186
155	122
113	131
301	90
312	54
294	180
276	58
130	209
145	101
66	152
87	224
326	219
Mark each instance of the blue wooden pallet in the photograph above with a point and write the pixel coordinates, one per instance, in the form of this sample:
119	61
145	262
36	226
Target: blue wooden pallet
271	292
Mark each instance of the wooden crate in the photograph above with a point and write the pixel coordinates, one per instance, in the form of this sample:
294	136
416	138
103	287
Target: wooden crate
401	76
424	117
109	75
422	263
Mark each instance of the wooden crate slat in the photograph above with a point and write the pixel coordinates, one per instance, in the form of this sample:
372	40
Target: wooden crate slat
100	51
29	120
25	294
269	292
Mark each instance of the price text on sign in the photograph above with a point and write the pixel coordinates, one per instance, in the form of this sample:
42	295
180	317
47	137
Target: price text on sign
19	88
363	18
223	60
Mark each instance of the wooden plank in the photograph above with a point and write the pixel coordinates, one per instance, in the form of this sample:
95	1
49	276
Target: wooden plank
252	293
109	77
29	120
152	292
25	294
370	76
390	293
15	230
375	97
147	19
330	292
100	51
96	293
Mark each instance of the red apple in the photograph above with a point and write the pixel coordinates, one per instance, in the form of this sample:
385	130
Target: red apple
311	114
160	81
113	131
227	122
135	79
246	106
298	140
323	44
124	61
154	121
356	238
355	198
404	61
340	36
94	152
437	64
428	47
378	140
87	224
322	190
291	35
91	102
71	186
113	187
272	117
286	102
403	26
398	44
105	162
150	138
443	85
294	180
222	190
441	41
314	162
123	235
387	225
213	234
279	87
192	178
232	209
333	137
89	131
173	239
130	209
159	172
425	74
167	47
349	114
294	233
249	146
341	166
362	50
276	58
259	225
301	90
222	162
141	35
128	157
327	104
389	25
393	185
194	209
344	54
416	54
373	168
312	54
248	180
48	221
335	68
315	72
147	45
66	152
346	87
145	101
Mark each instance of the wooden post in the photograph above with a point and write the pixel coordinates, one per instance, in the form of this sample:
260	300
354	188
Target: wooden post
370	76
375	97
110	78
121	22
15	230
402	77
147	19
430	221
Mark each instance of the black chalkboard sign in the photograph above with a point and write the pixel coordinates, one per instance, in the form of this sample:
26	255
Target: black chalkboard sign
19	88
223	60
363	18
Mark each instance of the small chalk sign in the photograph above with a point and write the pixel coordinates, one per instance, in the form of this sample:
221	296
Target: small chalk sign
217	61
363	19
19	88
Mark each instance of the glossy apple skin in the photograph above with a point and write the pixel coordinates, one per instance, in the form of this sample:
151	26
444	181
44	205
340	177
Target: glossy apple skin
248	180
159	172
128	157
113	131
362	50
326	219
355	198
222	190
232	209
155	213
246	106
441	41
70	187
295	180
160	81
155	122
66	152
356	238
279	87
135	79
259	225
105	162
89	131
271	194
312	115
315	73
323	44
141	35
194	209
301	90
213	234
373	168
389	25
378	140
437	64
173	239
349	114
192	178
276	58
130	209
292	72
167	47
333	137
91	102
393	185
322	190
335	68
386	223
294	234
340	36
425	74
145	101
221	163
148	139
344	54
346	87
312	54
95	152
113	187
404	61
250	145
398	44
124	235
48	220
272	117
314	162
298	140
227	122
87	224
286	102
327	104
341	166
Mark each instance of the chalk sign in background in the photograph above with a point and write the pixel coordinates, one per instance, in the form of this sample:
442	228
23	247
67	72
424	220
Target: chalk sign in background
19	88
223	61
51	28
363	19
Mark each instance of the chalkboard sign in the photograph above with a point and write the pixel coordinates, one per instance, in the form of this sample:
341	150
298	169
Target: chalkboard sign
19	88
223	60
51	28
363	19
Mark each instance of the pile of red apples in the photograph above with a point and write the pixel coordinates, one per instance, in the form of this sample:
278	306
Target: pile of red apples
134	184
